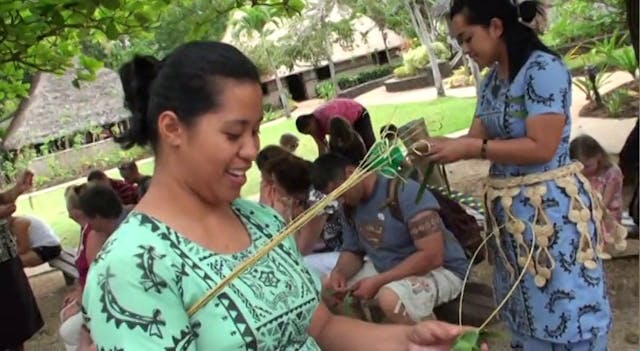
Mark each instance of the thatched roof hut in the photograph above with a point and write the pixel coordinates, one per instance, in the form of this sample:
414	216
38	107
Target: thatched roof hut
55	108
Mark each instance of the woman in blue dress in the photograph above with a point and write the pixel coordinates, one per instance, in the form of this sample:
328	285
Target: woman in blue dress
540	209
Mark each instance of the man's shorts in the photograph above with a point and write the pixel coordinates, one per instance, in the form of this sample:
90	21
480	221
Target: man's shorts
419	295
47	253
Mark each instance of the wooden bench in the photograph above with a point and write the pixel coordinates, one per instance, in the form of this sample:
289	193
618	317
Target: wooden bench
632	227
66	263
478	304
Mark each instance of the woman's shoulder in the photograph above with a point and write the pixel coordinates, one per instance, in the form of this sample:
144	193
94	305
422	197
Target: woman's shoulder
137	232
257	210
541	61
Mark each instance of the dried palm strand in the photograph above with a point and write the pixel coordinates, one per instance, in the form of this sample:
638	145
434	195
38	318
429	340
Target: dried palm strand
367	167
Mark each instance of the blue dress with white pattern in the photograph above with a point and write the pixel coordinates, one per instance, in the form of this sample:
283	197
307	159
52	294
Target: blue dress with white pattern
571	311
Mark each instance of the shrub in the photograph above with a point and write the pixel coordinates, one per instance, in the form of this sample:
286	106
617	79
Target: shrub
442	52
365	76
416	59
404	72
325	90
615	101
624	59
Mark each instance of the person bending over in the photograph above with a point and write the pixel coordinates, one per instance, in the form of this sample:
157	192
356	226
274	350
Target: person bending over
37	242
317	123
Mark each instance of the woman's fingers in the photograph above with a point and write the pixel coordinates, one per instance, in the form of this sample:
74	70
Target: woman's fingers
436	333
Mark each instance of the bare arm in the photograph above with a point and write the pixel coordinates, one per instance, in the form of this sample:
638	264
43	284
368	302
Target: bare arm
310	234
95	240
544	133
23	184
426	230
337	333
321	143
612	187
349	263
477	130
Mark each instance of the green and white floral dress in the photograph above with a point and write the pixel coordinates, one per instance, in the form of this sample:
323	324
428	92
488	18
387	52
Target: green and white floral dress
147	276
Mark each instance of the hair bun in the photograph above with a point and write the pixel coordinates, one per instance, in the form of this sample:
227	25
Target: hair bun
136	77
529	9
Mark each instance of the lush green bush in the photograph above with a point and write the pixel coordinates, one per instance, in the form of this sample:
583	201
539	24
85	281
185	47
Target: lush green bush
417	59
325	90
576	21
404	72
365	76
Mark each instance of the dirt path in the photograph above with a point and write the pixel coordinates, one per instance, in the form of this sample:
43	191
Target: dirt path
622	276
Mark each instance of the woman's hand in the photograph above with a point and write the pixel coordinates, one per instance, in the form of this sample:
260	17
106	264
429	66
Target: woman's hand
7	210
24	182
444	150
367	288
436	336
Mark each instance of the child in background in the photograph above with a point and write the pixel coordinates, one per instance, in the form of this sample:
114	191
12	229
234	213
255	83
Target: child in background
289	142
605	178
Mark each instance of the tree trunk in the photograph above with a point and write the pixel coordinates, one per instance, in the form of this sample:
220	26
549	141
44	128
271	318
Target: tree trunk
632	21
475	71
425	38
283	96
329	52
383	32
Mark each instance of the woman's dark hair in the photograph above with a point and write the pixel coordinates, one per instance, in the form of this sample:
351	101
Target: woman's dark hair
269	153
519	36
291	172
585	146
100	200
185	82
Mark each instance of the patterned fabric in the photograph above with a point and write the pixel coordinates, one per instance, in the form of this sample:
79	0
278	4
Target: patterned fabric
610	178
8	245
147	275
573	306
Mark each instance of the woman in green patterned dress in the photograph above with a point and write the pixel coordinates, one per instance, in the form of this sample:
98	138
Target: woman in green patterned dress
200	109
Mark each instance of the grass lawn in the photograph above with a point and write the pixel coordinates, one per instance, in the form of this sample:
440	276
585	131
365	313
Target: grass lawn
443	116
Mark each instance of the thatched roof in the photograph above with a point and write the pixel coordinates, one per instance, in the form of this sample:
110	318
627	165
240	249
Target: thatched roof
56	108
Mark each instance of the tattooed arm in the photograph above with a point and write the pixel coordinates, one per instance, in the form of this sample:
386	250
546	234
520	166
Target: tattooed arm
426	230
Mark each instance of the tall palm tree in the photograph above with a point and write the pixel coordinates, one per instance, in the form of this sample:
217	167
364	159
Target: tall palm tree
255	21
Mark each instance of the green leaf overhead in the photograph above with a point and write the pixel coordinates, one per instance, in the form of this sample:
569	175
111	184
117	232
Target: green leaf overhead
48	35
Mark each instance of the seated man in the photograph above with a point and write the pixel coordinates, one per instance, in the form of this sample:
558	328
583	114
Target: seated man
414	264
128	193
317	123
37	242
131	175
